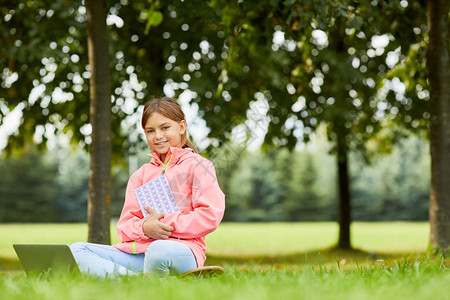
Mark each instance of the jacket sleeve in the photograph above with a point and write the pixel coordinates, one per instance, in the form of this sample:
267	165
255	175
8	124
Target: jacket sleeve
208	206
129	226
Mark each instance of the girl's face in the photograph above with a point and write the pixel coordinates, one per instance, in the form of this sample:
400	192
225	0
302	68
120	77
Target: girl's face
162	133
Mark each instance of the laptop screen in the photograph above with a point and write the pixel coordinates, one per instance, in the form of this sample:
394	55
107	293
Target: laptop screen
39	258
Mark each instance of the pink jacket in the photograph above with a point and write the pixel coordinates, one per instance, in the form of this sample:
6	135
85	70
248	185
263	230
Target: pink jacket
194	185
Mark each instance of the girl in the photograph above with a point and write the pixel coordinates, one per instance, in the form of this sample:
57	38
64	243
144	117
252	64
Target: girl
159	243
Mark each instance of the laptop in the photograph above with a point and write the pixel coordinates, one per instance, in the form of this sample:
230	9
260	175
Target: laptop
37	259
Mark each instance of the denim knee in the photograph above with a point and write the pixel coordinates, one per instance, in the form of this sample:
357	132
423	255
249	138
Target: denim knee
77	246
164	257
158	253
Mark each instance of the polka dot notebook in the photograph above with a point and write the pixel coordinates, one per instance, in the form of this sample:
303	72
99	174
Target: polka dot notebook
158	195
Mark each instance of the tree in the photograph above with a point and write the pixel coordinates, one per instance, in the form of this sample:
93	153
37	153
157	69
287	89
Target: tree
28	188
226	160
73	186
425	75
254	190
284	171
44	55
303	202
438	63
100	120
337	69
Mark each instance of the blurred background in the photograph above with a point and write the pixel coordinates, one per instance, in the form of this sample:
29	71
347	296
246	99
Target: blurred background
310	110
274	186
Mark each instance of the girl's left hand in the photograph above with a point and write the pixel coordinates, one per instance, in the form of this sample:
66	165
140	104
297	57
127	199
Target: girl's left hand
155	229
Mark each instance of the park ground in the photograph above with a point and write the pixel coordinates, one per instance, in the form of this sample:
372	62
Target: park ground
262	261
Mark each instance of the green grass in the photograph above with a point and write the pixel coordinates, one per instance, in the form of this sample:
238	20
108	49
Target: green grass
419	280
287	238
262	261
249	239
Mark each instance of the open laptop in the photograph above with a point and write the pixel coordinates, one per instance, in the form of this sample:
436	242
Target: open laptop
46	258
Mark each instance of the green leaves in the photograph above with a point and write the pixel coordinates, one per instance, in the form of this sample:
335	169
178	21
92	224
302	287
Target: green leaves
206	39
154	18
356	22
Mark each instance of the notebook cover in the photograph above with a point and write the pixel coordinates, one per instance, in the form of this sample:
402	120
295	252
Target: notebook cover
158	195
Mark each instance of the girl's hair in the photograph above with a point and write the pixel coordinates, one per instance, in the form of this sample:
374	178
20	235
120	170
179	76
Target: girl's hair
168	108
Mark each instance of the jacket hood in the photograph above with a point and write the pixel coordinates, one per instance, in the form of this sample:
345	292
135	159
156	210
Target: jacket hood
179	154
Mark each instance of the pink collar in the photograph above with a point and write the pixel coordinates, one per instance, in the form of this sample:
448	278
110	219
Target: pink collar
175	151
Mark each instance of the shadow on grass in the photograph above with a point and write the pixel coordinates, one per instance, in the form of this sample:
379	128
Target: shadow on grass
319	257
322	257
9	264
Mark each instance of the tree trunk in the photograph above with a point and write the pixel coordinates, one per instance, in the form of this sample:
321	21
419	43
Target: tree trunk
100	119
344	218
438	60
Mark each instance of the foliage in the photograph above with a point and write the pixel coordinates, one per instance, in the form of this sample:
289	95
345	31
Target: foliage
316	63
73	187
44	54
28	189
39	188
254	192
325	66
395	187
274	186
304	188
45	68
220	53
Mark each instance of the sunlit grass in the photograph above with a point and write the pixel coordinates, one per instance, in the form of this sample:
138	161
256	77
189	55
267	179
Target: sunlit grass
392	237
262	261
39	233
425	278
249	239
243	239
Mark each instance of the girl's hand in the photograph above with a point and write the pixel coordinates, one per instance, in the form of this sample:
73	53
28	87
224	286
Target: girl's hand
155	229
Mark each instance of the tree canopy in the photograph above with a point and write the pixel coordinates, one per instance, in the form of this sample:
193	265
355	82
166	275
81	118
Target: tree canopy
313	61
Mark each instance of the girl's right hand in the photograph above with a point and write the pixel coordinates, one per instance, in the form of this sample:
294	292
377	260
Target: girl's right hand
155	229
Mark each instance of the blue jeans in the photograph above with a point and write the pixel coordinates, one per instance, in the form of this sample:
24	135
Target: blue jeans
161	258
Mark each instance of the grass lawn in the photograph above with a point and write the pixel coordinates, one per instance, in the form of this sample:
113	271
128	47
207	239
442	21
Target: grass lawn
262	261
288	238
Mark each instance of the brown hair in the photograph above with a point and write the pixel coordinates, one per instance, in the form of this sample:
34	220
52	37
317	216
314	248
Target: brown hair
168	108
